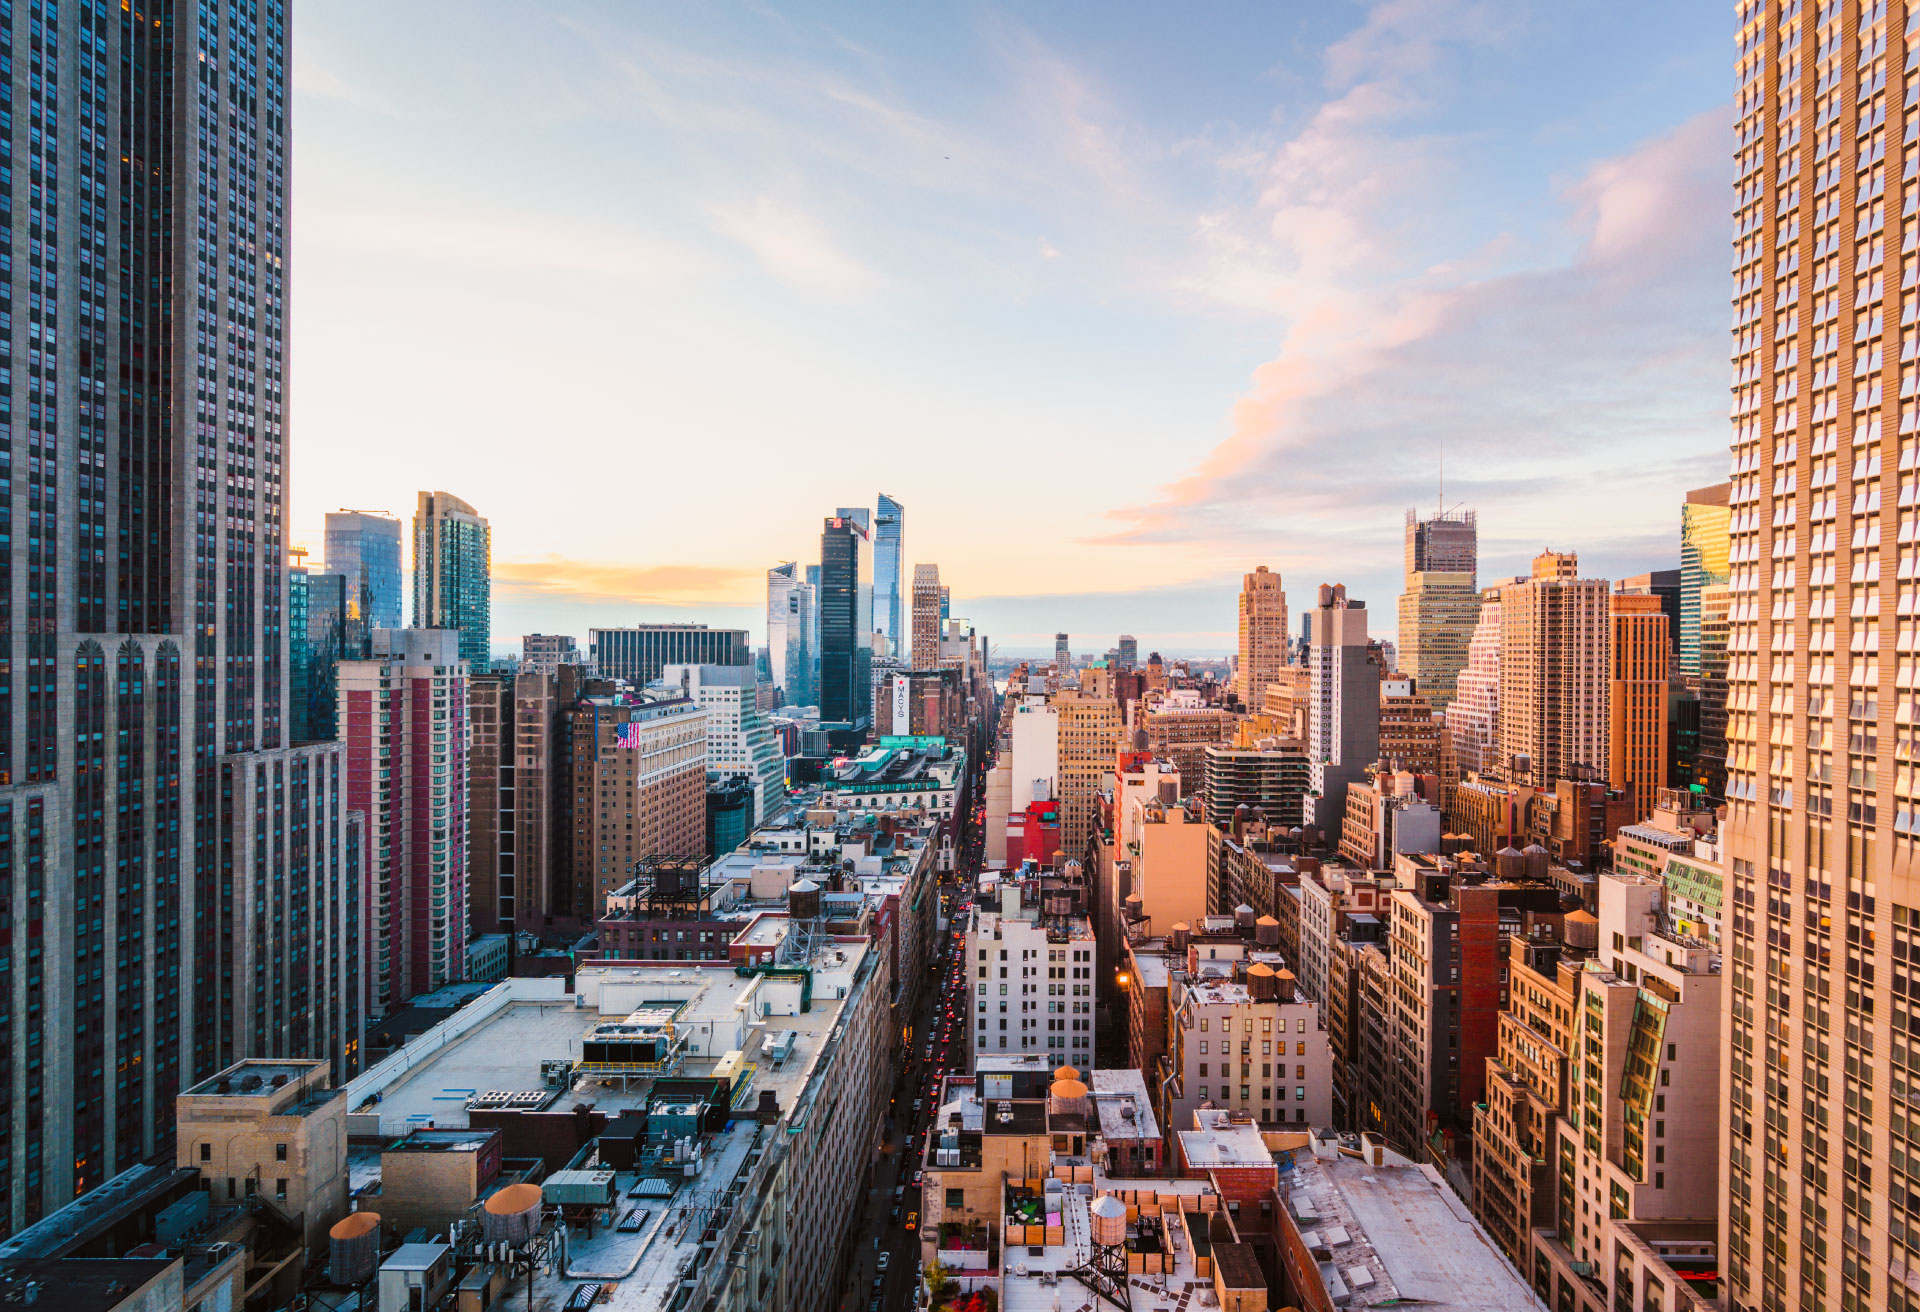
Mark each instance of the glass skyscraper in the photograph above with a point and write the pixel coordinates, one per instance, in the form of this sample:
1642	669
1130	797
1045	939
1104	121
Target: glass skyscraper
1705	521
889	541
453	574
177	882
364	545
846	632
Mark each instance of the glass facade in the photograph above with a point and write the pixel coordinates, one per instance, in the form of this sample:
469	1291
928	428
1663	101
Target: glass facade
365	546
889	542
453	574
846	629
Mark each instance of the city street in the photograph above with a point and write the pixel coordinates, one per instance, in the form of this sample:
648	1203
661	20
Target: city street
938	1047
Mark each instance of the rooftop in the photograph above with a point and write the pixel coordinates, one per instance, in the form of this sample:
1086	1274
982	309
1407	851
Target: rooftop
1114	1092
1036	1278
80	1284
1221	1142
1396	1231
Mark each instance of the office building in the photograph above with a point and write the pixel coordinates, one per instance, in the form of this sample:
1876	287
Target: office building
1821	792
846	631
889	542
1716	635
545	653
639	778
1438	615
1448	543
637	655
1410	732
929	605
1661	583
1089	736
740	740
405	729
1638	658
1554	629
364	545
781	622
453	574
317	639
520	846
1343	706
1263	635
1704	539
802	685
158	924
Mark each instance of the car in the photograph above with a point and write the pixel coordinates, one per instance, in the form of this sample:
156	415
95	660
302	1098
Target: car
916	1105
895	1218
883	1260
913	1222
917	1176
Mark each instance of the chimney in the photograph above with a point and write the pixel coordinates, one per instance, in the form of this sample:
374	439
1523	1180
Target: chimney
769	1109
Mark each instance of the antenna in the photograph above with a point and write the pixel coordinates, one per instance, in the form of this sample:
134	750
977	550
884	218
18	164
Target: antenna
1440	445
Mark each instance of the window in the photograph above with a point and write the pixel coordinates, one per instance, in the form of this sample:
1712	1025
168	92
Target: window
279	1152
280	1189
1203	1047
206	1152
1299	1093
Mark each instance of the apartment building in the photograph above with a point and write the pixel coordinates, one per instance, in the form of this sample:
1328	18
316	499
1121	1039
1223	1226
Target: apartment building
1032	978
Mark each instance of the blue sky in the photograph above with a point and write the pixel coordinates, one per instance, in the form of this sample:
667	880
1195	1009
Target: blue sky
1120	300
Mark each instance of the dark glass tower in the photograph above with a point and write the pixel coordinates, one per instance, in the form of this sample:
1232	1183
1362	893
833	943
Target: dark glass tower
889	541
175	879
846	632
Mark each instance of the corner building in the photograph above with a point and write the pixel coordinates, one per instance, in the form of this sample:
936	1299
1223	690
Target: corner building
174	877
1822	933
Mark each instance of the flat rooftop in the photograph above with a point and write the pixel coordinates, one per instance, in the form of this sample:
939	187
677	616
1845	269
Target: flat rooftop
1037	1281
84	1284
1397	1232
505	1051
1114	1092
1220	1142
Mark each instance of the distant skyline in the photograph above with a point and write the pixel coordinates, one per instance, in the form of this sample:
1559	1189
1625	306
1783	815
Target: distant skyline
1121	302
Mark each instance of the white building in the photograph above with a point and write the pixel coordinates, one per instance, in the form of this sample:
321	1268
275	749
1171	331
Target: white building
1255	1045
1032	982
1473	716
740	739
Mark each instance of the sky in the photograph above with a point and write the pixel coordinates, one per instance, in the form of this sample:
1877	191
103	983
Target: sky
1120	299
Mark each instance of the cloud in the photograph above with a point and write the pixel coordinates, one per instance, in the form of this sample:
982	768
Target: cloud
795	247
556	578
533	242
1577	369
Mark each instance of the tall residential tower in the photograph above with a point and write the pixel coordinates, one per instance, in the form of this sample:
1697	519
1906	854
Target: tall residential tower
1822	830
453	574
1263	635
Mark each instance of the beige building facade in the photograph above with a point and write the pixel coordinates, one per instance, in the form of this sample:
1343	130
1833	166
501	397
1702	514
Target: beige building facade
1263	635
1553	670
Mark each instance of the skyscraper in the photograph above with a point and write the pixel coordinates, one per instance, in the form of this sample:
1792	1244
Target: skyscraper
317	635
1441	603
780	584
1553	672
1129	647
889	540
175	878
1449	543
927	595
1638	659
1263	635
1062	656
453	574
803	641
364	545
1343	714
1704	523
846	631
1822	828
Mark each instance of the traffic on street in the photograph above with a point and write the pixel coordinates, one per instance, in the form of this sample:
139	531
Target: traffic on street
888	1266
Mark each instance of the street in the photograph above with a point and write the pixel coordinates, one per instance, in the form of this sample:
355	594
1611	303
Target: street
938	1047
